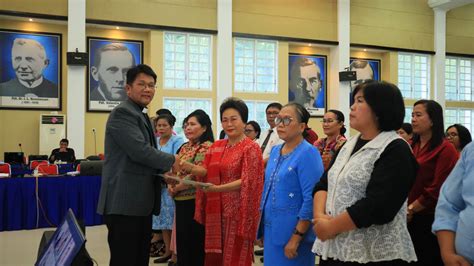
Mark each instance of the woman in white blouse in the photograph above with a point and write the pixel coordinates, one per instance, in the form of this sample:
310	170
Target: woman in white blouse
360	202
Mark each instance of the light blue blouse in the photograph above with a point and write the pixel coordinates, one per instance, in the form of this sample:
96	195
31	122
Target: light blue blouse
455	209
171	146
287	195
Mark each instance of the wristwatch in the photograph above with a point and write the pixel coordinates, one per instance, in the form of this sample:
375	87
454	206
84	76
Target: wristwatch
296	232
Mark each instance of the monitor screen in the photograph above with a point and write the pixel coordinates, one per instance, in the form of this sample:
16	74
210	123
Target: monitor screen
66	242
37	158
13	157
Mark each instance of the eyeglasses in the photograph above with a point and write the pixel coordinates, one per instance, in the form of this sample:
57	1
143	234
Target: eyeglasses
144	86
328	120
248	131
285	120
451	135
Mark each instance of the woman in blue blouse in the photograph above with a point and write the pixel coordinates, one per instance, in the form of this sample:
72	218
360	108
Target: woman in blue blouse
454	211
166	142
292	171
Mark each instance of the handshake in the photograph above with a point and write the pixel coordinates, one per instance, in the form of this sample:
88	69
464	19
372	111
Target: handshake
181	166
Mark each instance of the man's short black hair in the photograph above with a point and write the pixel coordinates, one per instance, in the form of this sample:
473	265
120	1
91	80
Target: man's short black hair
237	104
386	101
274	105
133	72
64	141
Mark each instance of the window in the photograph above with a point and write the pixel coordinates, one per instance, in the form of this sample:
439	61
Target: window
187	61
182	107
413	75
459	79
257	113
461	116
255	66
408	111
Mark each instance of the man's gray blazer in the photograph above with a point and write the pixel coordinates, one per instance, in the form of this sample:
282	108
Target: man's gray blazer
129	186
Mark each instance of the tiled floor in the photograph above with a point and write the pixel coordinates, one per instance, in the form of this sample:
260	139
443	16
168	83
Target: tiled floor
20	247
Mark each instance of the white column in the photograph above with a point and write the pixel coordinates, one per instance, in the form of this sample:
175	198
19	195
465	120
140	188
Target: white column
440	55
76	84
224	52
339	58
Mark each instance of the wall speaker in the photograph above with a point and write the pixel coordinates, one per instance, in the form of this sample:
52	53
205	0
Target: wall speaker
347	76
77	58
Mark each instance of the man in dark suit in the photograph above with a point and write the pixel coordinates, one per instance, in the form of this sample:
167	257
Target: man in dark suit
29	60
130	191
63	153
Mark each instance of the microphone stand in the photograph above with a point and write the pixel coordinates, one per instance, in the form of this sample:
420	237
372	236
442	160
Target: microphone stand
95	141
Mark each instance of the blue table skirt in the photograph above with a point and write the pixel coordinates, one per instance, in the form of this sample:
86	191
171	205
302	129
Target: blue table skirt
19	170
57	195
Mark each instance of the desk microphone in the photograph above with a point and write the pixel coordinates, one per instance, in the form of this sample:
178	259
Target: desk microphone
21	150
95	141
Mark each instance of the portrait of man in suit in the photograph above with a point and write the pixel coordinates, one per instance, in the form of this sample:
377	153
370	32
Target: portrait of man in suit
29	61
131	189
307	82
111	63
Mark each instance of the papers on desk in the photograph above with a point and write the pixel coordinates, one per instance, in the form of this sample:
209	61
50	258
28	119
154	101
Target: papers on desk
73	173
3	175
186	181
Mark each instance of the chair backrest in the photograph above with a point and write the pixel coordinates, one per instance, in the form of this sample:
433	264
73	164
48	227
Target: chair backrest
5	168
35	163
48	169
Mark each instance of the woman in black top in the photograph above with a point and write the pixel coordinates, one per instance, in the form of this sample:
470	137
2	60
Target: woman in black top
360	202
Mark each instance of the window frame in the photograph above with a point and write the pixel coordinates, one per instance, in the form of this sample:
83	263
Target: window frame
186	99
187	61
255	102
458	79
457	111
255	67
413	76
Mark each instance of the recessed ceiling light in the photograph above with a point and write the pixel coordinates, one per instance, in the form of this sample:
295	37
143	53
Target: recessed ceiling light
30	19
310	45
117	28
365	50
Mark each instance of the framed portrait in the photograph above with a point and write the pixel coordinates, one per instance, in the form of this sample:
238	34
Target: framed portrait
109	61
366	69
30	70
307	82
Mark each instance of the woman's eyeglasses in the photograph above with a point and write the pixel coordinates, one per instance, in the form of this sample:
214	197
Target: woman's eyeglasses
285	120
246	131
451	135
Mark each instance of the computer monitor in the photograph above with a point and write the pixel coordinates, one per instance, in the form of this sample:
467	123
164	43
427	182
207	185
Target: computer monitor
37	158
67	241
13	157
91	167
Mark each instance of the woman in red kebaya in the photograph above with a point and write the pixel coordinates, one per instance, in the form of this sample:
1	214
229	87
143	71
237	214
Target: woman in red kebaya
436	158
